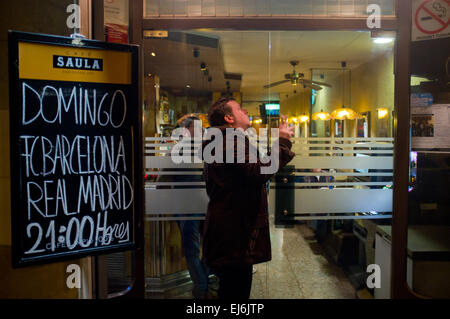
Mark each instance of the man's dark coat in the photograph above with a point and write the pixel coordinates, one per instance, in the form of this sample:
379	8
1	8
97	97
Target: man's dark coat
236	230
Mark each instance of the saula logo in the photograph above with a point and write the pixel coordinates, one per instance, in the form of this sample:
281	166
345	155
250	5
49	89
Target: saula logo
77	63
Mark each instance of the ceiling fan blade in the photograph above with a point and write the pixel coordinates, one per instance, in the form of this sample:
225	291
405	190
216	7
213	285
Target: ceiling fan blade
316	87
317	82
311	85
288	76
275	83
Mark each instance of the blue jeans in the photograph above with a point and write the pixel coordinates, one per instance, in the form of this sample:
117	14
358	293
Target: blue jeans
190	236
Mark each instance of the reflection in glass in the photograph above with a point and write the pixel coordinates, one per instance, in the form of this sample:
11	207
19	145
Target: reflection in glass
429	201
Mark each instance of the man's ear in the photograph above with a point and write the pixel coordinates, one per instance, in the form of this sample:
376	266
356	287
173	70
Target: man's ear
229	119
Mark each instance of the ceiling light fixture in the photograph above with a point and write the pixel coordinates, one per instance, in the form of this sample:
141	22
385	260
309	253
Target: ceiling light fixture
382	113
344	114
203	66
304	118
382	40
323	116
382	37
153	54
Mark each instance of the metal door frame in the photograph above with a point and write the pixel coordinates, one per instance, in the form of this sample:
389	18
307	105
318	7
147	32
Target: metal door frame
401	23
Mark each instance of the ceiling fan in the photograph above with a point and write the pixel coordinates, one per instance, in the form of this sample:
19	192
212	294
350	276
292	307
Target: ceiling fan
298	78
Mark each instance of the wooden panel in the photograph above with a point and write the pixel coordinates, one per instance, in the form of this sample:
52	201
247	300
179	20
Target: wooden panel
47	281
86	18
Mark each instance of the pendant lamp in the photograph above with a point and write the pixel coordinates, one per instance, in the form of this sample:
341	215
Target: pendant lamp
343	113
324	116
304	118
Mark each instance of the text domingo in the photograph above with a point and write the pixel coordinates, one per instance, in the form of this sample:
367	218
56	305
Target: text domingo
83	106
75	159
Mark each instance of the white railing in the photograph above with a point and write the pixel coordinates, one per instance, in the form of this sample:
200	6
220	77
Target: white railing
337	178
172	191
355	181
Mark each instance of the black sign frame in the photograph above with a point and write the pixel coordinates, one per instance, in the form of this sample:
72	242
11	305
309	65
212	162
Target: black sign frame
17	203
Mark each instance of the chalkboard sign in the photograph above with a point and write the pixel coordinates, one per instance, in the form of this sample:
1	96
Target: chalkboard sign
75	147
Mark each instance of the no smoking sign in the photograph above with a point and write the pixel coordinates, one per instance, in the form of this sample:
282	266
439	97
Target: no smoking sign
431	19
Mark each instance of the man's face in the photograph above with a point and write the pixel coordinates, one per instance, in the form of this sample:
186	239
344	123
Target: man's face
240	116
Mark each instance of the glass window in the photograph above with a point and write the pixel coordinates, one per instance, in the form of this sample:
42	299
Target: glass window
327	84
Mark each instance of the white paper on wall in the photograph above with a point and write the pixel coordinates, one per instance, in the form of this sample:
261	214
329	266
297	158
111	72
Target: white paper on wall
430	126
116	12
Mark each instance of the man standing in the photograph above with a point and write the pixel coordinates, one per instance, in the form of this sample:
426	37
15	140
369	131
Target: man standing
236	232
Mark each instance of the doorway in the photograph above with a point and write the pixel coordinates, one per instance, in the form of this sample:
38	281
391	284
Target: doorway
303	73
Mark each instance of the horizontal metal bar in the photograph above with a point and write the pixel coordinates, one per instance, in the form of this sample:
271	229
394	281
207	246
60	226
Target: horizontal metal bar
150	145
162	219
334	151
371	145
160	139
295	139
344	184
188	151
176	173
176	183
342	217
157	151
339	174
356	139
196	151
159	145
181	213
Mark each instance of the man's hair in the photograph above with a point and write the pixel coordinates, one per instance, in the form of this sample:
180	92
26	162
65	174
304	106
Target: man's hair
187	122
218	110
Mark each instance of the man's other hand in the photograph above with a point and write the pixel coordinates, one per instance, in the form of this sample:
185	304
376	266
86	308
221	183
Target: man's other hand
285	131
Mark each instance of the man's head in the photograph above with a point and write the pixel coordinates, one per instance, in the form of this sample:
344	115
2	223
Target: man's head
227	112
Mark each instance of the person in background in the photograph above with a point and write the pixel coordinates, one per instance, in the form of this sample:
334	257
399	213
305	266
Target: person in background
236	232
190	230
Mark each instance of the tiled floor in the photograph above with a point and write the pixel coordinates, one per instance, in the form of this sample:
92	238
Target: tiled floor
299	269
